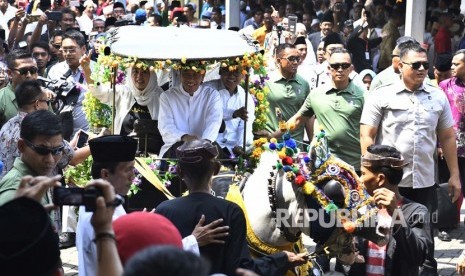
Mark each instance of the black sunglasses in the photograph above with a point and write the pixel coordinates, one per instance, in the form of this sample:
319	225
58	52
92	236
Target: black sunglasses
57	46
292	58
417	65
25	70
44	150
336	66
43	101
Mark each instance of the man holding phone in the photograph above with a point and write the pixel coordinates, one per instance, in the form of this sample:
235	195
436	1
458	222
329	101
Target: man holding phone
113	161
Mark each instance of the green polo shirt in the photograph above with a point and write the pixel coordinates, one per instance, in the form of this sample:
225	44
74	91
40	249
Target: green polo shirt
8	106
338	113
288	95
10	182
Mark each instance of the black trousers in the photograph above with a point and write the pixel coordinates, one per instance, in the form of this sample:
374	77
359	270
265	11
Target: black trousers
427	197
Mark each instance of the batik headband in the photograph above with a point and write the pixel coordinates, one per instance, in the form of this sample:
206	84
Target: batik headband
373	160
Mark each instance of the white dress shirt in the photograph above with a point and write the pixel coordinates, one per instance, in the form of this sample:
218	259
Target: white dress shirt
87	250
180	114
233	135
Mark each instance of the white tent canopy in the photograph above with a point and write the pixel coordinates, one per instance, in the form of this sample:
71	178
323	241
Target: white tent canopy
173	43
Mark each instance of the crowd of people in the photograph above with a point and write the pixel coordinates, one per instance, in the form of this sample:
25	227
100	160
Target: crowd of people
392	106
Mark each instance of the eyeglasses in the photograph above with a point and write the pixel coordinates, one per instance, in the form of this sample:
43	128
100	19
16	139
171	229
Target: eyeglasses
43	150
337	66
70	50
417	65
292	58
57	46
42	101
25	70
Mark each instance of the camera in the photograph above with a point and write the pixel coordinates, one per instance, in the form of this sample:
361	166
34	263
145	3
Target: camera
77	197
66	92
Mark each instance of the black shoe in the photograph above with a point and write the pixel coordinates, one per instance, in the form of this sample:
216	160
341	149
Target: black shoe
444	236
67	240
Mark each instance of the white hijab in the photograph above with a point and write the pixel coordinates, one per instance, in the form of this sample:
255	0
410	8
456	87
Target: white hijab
142	97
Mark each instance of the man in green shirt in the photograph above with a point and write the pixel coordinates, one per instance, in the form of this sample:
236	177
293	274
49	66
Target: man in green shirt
41	147
338	107
287	90
21	67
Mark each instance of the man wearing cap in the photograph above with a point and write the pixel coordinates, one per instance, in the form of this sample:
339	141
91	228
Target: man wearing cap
113	157
85	21
382	170
413	116
197	164
140	17
118	10
326	27
442	68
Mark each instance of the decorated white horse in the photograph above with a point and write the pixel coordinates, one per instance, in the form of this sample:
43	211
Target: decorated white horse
286	196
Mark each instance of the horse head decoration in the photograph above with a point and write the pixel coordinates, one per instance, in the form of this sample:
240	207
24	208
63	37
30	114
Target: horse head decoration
317	194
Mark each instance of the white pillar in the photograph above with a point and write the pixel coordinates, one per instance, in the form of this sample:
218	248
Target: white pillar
233	18
415	19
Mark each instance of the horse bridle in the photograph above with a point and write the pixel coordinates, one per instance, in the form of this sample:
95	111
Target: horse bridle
272	200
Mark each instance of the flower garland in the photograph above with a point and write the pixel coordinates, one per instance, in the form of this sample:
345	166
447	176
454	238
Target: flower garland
259	91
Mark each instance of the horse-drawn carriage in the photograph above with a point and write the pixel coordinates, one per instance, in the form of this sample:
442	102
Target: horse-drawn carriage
286	192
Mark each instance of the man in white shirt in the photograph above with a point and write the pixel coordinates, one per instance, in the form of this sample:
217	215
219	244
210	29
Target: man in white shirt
85	21
7	12
189	111
235	112
73	47
217	20
114	162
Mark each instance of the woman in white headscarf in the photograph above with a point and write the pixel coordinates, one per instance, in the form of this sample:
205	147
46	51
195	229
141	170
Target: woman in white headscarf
137	99
364	79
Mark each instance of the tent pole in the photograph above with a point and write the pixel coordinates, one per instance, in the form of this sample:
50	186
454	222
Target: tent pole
244	142
113	109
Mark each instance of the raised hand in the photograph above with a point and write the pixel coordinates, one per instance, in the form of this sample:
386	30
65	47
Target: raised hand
84	61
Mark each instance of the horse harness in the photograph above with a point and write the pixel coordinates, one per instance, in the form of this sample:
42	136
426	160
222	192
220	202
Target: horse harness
272	200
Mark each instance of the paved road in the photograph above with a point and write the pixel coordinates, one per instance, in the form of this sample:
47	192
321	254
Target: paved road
446	253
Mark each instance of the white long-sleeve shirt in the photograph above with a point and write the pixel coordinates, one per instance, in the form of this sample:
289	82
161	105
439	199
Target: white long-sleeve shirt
234	132
87	250
180	114
124	101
